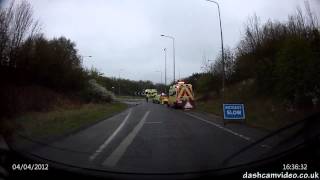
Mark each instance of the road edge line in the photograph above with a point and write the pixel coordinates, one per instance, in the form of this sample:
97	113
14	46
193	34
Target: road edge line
220	127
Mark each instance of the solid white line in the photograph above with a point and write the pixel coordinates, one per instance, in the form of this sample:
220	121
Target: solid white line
153	122
115	156
219	126
105	144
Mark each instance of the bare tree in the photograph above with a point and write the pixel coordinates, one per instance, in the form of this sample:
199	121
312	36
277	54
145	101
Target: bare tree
206	65
5	20
229	61
3	34
16	24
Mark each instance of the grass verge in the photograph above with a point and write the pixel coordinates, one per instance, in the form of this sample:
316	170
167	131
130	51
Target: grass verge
60	121
261	112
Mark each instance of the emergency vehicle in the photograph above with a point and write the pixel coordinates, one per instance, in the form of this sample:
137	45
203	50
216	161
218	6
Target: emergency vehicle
160	99
164	99
150	93
181	96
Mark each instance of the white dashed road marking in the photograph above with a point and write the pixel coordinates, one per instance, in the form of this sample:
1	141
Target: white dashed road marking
105	144
115	156
153	122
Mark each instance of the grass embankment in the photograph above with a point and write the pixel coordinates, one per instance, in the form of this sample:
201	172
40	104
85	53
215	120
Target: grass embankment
61	121
263	112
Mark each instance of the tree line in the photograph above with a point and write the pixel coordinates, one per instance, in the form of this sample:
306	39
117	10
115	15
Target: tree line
280	58
125	87
37	73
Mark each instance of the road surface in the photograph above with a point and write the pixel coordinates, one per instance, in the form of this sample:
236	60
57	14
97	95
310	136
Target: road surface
152	138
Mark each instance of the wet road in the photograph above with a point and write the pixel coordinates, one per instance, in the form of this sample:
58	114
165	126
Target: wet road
152	138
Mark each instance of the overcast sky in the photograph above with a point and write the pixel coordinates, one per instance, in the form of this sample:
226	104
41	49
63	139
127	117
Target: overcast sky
123	36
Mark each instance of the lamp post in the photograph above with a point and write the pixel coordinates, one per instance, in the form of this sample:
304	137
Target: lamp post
119	80
221	36
82	57
174	55
165	66
161	76
113	90
161	89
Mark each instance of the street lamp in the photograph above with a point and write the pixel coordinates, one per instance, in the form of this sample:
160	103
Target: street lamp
160	81
165	66
82	57
174	56
221	36
119	80
113	90
161	75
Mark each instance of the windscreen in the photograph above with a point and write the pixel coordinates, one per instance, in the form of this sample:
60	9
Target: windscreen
161	86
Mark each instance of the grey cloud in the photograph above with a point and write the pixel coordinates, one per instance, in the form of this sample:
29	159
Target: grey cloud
126	34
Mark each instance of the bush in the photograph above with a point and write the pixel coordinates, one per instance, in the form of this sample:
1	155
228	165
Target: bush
282	58
298	70
97	93
16	100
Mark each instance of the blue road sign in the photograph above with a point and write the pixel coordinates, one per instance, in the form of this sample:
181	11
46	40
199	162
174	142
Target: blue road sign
233	111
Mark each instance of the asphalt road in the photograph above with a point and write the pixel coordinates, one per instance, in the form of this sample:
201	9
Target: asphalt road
152	138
